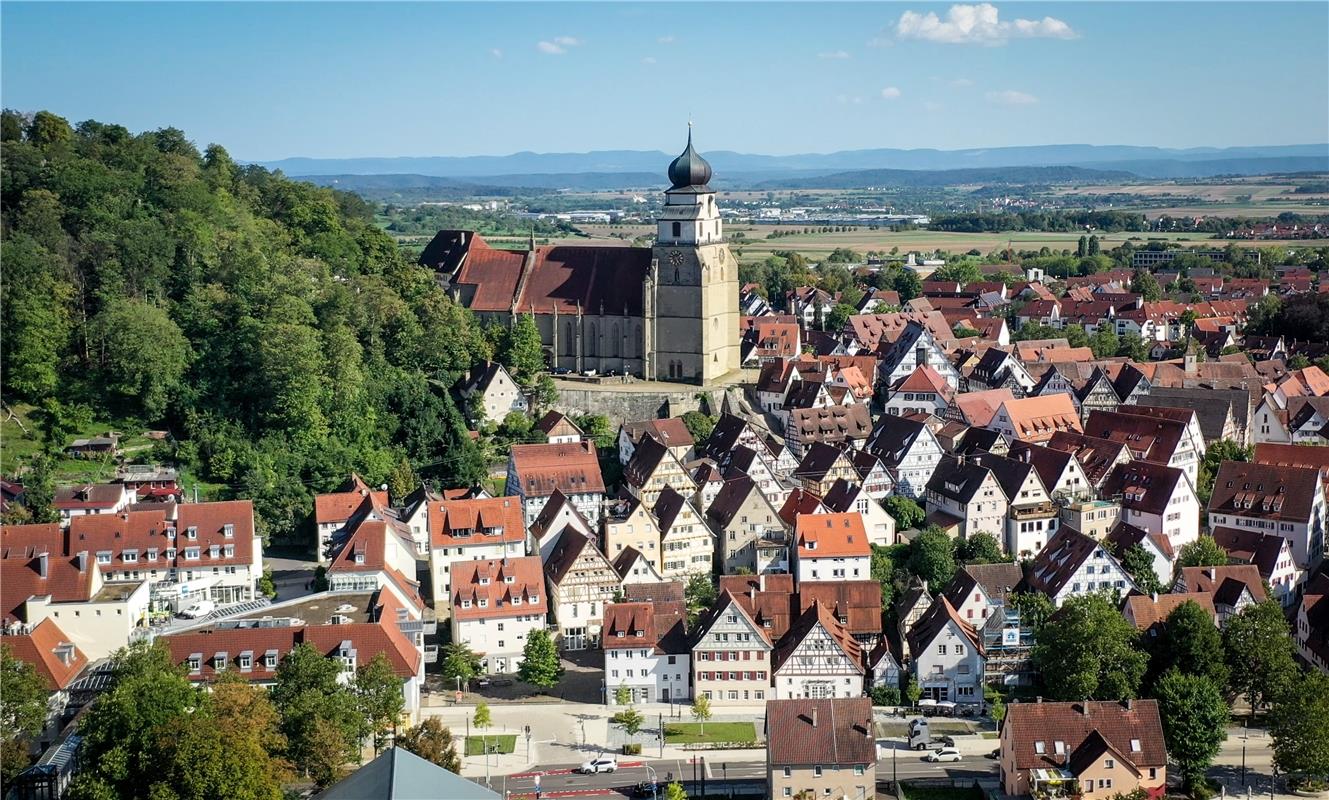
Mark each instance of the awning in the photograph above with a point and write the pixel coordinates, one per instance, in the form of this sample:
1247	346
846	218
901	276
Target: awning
1050	776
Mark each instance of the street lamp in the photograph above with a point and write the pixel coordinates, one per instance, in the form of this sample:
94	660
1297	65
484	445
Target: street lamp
655	783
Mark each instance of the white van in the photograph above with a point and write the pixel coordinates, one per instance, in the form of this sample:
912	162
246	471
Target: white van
202	608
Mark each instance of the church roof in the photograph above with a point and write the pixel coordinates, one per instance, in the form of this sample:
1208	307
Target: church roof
689	170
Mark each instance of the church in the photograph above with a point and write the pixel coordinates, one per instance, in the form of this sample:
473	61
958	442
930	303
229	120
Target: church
667	313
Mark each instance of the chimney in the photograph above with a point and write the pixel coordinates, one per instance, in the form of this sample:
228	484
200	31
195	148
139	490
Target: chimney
1209	573
43	564
814	716
761	581
1038	699
81	560
1084	706
1154	596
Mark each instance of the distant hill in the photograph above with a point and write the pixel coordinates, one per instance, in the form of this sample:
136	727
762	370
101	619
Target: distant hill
950	177
1143	161
491	184
1175	168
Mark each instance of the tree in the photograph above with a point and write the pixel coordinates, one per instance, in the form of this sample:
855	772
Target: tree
839	316
1093	247
963	331
699	425
402	481
1035	608
1299	726
1133	347
1195	719
699	594
912	691
622	695
522	352
143	354
701	711
1082	249
996	705
882	570
123	730
482	719
432	742
23	713
1214	456
675	791
1203	552
1146	285
1139	564
883	695
906	512
629	720
1105	343
1087	650
460	663
980	548
932	557
540	664
1258	650
1190	643
599	428
313	703
908	285
378	696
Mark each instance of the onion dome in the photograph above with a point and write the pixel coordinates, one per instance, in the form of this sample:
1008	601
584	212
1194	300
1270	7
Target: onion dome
689	169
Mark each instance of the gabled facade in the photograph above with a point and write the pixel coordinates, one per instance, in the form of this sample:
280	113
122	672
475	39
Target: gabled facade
646	651
652	468
845	497
1073	565
741	517
536	471
629	525
490	394
909	449
580	582
817	658
471	530
495	607
947	655
687	546
822	466
1158	499
731	656
1287	501
829	547
966	496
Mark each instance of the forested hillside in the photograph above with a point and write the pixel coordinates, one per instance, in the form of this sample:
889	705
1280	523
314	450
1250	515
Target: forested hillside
277	334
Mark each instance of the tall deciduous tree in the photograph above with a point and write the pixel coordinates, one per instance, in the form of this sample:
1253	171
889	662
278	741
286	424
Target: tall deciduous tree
1195	718
932	557
432	742
906	512
1088	650
313	704
1190	643
22	714
378	696
1299	726
142	354
1258	650
540	664
460	665
522	353
1139	564
1203	552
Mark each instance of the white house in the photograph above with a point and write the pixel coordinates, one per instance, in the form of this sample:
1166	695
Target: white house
1073	564
908	447
1158	499
1270	553
491	393
495	606
966	496
646	651
830	547
1283	500
817	658
536	471
947	655
471	530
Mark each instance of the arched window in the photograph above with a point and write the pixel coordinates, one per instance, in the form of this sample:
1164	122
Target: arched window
617	344
591	348
641	348
570	340
678	229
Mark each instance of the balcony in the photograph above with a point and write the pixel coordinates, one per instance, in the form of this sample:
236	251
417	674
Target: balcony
1042	510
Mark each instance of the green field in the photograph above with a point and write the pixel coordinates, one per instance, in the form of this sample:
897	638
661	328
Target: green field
498	743
696	733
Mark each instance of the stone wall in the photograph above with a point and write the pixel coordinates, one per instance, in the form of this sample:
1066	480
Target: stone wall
639	401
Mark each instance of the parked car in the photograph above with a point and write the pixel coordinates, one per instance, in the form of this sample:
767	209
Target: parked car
943	754
596	765
200	609
645	789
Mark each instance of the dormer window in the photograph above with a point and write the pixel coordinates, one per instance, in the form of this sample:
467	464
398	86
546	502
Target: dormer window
214	551
192	532
170	553
484	581
484	602
360	558
152	554
103	556
195	662
170	533
228	530
191	553
516	600
229	551
1040	748
246	661
509	579
130	556
219	661
466	604
270	659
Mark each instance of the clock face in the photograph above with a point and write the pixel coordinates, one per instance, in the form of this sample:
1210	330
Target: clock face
676	257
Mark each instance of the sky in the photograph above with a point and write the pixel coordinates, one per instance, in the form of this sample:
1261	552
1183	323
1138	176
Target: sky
274	80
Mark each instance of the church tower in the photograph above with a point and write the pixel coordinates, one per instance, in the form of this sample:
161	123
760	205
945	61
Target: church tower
692	290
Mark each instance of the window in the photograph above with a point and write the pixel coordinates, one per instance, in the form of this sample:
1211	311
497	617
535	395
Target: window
191	553
1135	745
788	772
816	771
1040	748
130	556
1059	747
941	649
1109	763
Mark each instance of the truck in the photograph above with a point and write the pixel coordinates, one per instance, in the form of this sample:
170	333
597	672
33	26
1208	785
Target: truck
919	736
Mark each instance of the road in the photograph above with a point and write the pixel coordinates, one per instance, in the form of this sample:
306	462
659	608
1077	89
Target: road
746	777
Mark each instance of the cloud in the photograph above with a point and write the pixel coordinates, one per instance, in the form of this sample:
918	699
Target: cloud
666	39
496	53
835	55
890	93
558	45
1010	97
961	83
648	60
977	24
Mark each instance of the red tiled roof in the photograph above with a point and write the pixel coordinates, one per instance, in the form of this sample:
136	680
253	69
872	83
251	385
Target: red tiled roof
572	468
338	507
1120	724
20	579
831	536
50	652
456	523
368	639
474	581
834	732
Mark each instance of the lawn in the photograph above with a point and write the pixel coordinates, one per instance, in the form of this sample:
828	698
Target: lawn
17	447
695	732
498	743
